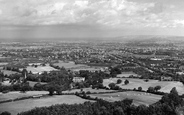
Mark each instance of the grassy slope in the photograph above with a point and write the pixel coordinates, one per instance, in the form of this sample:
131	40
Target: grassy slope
25	105
138	97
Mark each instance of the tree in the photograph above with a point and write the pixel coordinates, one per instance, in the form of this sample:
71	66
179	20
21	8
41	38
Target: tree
38	87
25	87
139	88
51	88
150	90
172	99
126	82
112	85
119	81
157	88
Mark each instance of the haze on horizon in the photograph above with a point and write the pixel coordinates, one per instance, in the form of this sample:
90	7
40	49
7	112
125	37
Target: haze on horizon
90	18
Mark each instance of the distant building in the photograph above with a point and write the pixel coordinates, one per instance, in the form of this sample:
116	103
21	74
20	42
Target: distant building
78	79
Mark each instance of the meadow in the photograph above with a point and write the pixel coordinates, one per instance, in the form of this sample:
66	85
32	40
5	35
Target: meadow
166	86
138	97
40	69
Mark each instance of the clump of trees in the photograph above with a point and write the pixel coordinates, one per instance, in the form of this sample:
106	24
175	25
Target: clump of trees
153	89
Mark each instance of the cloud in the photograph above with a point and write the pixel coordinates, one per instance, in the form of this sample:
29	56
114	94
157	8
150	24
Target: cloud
113	13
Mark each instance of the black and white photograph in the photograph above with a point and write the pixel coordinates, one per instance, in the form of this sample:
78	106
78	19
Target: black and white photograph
91	57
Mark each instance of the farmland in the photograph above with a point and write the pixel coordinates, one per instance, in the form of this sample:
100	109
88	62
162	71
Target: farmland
166	86
69	65
40	69
126	74
138	97
25	105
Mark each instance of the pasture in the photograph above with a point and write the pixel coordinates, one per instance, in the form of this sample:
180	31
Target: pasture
16	94
24	105
138	97
166	86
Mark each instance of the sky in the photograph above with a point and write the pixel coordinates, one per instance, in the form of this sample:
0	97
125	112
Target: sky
90	18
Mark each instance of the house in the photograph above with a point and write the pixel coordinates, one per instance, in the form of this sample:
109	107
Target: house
78	79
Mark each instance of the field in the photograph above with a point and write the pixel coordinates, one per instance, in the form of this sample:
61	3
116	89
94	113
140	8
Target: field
69	65
40	69
166	86
126	74
76	67
25	105
138	97
88	89
16	94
